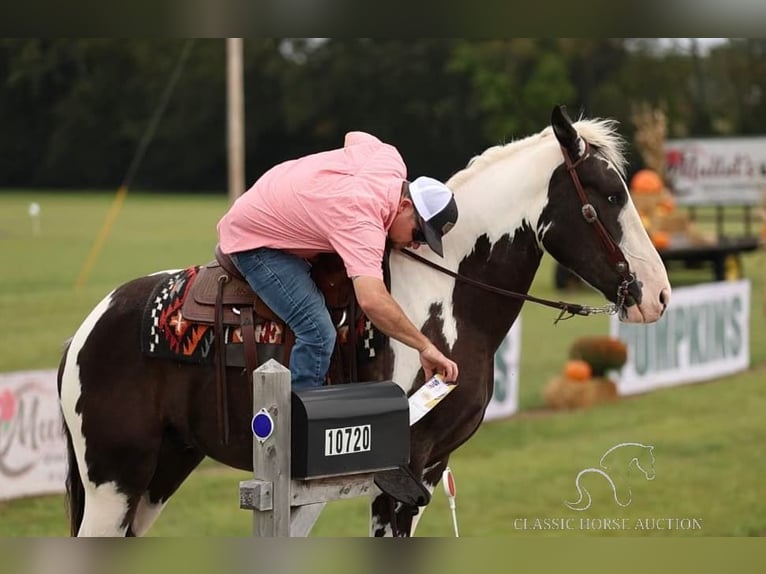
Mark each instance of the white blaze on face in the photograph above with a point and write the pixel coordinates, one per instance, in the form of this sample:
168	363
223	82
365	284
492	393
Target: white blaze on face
646	263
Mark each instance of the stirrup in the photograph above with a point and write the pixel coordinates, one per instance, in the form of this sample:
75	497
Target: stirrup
402	485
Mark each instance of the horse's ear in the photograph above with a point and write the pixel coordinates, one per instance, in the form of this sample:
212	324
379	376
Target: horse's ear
565	132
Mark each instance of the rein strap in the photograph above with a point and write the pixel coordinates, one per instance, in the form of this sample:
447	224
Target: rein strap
613	252
568	310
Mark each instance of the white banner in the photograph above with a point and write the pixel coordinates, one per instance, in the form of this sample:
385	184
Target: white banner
717	170
505	396
32	444
704	334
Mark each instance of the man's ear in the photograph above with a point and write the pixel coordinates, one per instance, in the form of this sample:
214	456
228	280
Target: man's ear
404	203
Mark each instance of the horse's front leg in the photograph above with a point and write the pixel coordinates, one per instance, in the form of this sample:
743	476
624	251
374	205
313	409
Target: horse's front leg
390	517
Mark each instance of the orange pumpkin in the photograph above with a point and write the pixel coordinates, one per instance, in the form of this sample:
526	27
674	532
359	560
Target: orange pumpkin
660	239
577	370
646	181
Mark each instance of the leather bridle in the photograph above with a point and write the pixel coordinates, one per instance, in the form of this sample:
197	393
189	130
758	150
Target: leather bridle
613	252
589	213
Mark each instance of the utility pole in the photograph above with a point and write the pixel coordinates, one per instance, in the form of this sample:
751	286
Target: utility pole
235	99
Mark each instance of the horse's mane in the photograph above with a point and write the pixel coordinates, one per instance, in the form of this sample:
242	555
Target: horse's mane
600	133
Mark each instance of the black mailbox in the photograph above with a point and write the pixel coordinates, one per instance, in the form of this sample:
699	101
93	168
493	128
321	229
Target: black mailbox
351	428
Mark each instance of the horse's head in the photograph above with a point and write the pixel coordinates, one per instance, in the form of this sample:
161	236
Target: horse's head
591	226
645	462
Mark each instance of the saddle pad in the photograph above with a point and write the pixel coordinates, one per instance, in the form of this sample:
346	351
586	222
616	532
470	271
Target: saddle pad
166	334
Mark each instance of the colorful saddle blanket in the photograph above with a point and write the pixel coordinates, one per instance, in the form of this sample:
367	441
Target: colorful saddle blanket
167	334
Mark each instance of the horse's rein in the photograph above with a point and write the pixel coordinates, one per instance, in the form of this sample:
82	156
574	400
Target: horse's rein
568	310
613	251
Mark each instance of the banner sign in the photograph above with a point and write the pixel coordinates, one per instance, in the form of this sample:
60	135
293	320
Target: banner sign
505	396
717	170
32	444
703	335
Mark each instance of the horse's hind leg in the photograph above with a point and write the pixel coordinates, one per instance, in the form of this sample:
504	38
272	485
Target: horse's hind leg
113	458
176	461
114	473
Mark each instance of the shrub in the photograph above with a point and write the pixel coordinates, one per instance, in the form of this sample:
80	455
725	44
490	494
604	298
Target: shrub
601	353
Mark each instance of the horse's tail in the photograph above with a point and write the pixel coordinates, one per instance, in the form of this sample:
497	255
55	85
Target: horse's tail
75	492
584	502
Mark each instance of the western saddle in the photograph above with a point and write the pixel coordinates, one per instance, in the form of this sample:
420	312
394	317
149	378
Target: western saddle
221	297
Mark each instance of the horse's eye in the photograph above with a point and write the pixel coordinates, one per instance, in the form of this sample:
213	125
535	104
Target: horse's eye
613	199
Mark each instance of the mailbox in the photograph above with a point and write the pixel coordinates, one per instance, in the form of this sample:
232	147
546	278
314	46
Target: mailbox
350	428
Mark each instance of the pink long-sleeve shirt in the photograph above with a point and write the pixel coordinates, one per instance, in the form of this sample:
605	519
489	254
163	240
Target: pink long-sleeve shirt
341	201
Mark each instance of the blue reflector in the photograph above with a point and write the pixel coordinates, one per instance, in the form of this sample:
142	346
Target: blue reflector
263	425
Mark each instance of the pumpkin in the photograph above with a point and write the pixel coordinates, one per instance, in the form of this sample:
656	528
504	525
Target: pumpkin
660	239
577	370
646	181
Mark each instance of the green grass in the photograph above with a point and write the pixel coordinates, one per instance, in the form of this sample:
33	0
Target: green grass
38	301
708	437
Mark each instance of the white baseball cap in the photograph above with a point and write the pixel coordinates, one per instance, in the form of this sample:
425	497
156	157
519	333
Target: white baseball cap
436	210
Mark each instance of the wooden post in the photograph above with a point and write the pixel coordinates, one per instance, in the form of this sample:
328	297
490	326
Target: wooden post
235	117
271	458
282	506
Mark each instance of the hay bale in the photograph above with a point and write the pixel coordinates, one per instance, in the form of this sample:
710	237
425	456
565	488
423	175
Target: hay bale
564	393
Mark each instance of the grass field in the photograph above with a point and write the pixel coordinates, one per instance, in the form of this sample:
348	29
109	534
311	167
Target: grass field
708	437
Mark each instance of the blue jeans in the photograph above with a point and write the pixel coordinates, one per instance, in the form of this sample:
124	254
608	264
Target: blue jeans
283	281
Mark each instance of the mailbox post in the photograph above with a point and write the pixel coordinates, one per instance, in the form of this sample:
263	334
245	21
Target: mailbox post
316	445
271	464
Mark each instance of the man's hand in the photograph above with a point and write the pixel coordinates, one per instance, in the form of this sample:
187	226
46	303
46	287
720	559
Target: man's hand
434	361
386	315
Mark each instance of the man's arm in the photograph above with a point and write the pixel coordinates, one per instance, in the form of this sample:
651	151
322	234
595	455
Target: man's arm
387	315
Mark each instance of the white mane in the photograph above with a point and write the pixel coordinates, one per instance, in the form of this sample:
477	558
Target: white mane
600	133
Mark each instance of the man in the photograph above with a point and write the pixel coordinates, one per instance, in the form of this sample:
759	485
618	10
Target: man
349	201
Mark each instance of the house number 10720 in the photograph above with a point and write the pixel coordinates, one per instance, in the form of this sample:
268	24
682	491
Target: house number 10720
347	440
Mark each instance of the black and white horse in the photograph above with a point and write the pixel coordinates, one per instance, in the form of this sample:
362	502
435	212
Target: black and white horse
137	426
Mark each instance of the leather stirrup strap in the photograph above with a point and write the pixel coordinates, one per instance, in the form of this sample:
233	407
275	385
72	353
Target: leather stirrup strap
335	374
226	262
221	390
249	346
352	339
289	341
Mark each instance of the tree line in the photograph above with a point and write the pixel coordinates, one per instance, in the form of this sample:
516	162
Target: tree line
73	111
